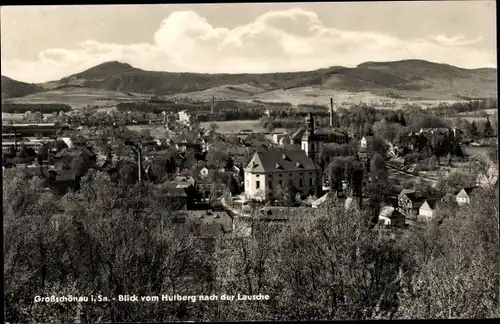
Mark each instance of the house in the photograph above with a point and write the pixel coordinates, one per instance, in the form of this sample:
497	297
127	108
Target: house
268	171
410	201
391	217
463	196
185	179
321	200
428	208
363	142
184	117
204	172
352	203
206	223
488	178
183	195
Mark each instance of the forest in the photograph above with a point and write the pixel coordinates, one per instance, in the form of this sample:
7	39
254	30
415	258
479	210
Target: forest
18	108
112	238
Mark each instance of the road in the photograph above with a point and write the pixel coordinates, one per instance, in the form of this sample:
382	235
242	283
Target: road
434	181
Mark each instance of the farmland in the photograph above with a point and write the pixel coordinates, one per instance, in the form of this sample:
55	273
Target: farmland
77	97
235	126
155	130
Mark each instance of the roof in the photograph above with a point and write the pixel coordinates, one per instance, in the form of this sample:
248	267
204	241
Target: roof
321	200
280	160
431	203
75	151
468	190
439	129
390	212
413	195
284	213
354	202
208	223
184	179
298	134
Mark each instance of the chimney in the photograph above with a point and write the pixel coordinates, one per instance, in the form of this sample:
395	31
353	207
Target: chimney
331	112
213	105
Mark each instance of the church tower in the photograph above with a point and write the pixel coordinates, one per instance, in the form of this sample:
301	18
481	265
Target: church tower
310	142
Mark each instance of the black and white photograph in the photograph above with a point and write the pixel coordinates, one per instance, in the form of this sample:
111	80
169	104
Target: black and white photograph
225	162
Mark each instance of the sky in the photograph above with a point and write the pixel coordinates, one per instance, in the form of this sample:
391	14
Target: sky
45	43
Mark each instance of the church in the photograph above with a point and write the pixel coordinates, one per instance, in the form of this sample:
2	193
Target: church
311	140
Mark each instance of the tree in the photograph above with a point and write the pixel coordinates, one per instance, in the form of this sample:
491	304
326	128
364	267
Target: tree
233	186
128	172
487	130
367	129
288	195
432	163
213	127
336	170
378	169
473	130
493	154
402	120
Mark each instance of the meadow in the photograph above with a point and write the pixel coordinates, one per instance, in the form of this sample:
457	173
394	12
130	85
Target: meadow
79	97
235	126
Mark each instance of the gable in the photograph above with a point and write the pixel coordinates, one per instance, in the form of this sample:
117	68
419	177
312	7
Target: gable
462	194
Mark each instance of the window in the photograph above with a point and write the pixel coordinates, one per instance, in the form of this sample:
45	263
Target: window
281	182
310	181
290	175
312	147
300	183
270	185
257	184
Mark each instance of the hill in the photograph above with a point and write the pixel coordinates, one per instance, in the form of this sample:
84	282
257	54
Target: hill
77	97
408	78
12	88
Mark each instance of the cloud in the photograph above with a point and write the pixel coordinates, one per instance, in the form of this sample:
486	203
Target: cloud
458	40
288	40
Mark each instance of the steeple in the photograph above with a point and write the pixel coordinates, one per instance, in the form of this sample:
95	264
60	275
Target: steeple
310	124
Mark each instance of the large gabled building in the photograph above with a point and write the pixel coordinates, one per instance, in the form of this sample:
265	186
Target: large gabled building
272	169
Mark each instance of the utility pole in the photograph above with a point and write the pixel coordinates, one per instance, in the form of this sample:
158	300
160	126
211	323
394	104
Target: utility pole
137	147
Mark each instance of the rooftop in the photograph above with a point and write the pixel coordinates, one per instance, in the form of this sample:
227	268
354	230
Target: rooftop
280	160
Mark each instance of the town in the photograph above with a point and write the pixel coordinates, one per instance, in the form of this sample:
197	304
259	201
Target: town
362	158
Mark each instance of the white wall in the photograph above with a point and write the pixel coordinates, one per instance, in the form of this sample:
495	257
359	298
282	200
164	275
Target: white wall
271	182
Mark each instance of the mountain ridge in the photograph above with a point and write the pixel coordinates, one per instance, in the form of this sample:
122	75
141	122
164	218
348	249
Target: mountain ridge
407	77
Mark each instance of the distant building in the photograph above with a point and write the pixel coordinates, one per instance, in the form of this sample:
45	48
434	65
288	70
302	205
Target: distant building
267	171
184	117
428	209
206	223
488	178
410	201
311	140
204	172
464	195
391	217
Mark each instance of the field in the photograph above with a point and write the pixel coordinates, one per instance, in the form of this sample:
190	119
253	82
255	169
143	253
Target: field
235	126
314	95
474	151
469	119
156	131
78	97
